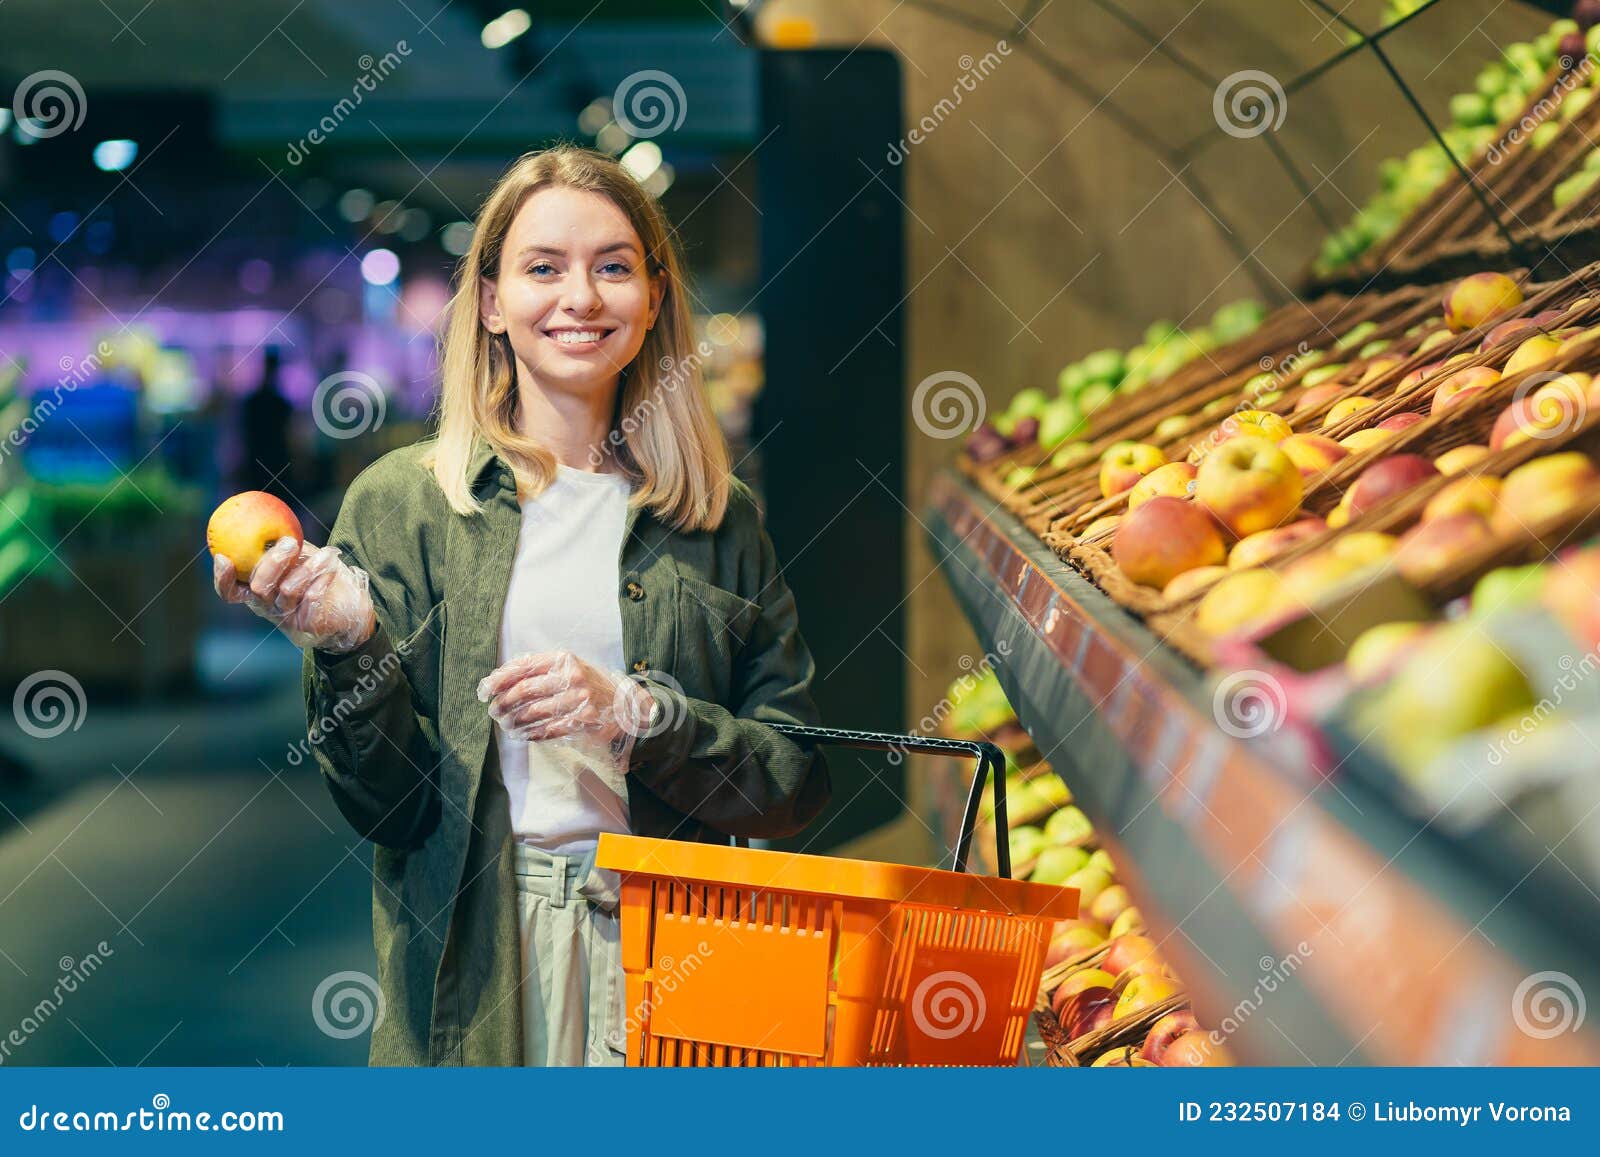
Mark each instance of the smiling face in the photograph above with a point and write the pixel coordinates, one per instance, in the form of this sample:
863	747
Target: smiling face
573	293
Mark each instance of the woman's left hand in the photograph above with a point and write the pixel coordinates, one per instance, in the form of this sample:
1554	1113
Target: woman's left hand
555	693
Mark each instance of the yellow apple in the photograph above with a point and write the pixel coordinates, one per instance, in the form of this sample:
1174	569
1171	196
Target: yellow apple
1124	463
1534	351
1456	460
1249	485
1171	480
1312	453
1476	493
1343	408
1257	423
1544	487
1474	300
1243	597
1191	581
1257	548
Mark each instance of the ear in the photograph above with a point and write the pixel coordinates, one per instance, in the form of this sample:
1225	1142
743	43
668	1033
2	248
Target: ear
658	293
489	306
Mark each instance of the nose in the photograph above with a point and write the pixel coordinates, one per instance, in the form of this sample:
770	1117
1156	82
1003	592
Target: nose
579	296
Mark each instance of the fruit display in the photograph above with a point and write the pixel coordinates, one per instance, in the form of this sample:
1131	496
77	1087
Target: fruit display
1516	130
1046	420
1107	996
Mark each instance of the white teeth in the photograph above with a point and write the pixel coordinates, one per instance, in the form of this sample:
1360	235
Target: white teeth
578	336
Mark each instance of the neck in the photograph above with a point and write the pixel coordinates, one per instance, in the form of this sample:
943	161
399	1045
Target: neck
569	425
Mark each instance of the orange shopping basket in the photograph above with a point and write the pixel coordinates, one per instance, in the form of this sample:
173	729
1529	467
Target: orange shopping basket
737	957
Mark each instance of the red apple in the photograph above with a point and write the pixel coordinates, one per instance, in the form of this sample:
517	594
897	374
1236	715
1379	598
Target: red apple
1255	549
1450	390
1196	1050
1431	548
1086	1011
1386	478
1166	1030
1165	537
247	525
1080	981
1398	422
1136	953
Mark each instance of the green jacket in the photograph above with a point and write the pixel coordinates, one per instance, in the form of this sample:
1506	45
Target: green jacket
407	749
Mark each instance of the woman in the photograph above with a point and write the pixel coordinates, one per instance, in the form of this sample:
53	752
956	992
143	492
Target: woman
561	616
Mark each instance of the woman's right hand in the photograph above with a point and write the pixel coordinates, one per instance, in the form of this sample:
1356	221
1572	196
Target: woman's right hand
310	594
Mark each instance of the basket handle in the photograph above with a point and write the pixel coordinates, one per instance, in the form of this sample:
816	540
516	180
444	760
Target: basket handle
991	762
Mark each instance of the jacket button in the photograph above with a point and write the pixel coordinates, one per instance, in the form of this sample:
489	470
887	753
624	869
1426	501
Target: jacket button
641	666
635	591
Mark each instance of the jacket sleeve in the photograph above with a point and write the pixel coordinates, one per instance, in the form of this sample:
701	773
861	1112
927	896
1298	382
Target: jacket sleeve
362	726
723	764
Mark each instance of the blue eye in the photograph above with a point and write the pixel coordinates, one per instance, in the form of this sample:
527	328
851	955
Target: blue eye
616	267
541	268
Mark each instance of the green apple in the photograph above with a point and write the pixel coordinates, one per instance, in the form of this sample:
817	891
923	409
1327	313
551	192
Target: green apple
1068	826
1508	586
1104	366
1090	882
1094	395
1102	859
1058	421
1025	842
1071	454
1028	403
1057	863
1455	682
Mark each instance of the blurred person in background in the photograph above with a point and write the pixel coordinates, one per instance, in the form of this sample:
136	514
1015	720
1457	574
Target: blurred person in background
264	415
560	616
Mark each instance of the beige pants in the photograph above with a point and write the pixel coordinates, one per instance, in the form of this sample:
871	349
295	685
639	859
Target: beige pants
572	985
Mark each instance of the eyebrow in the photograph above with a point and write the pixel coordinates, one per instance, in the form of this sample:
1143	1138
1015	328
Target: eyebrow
614	247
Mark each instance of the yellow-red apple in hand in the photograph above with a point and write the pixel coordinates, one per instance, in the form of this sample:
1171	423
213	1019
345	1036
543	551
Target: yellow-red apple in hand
245	527
1249	485
309	593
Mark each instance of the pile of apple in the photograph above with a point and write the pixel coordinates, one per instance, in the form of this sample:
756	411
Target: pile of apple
1126	980
1213	520
1501	90
1036	419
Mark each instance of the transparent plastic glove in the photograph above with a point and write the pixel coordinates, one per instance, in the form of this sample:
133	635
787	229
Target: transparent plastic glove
310	594
556	695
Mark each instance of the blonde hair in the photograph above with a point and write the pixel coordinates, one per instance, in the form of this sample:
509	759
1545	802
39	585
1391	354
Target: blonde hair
664	435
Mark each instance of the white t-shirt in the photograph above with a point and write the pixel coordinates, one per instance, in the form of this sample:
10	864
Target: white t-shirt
563	597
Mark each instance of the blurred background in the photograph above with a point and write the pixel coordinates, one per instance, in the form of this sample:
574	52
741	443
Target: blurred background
227	237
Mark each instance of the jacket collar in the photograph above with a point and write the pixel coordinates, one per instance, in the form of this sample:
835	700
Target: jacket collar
484	457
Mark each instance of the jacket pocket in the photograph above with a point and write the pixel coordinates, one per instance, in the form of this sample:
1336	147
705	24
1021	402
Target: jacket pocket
713	625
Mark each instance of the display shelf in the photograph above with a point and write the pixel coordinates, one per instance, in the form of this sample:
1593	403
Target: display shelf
1312	922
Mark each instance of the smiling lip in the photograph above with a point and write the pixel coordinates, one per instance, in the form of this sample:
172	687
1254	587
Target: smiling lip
598	335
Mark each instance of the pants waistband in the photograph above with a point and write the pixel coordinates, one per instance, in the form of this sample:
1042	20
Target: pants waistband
562	878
